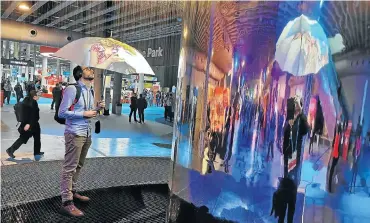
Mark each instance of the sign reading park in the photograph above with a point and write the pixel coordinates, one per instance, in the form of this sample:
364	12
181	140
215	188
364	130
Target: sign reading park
153	52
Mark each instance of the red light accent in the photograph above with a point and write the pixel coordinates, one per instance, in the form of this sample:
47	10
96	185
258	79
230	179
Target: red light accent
47	49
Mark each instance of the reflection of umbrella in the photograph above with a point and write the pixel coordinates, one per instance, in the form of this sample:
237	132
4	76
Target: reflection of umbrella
107	54
302	47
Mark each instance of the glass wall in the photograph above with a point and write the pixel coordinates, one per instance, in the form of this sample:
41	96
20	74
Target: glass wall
262	123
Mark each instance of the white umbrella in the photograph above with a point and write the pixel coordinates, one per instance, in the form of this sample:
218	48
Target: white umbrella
302	47
107	54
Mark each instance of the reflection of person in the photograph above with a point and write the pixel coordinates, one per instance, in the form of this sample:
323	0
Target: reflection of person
294	131
271	137
284	198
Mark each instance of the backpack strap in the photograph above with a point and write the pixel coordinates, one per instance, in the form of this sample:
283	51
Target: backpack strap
77	97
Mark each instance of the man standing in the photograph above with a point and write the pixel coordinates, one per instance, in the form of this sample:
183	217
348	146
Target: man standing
133	107
141	106
57	94
77	115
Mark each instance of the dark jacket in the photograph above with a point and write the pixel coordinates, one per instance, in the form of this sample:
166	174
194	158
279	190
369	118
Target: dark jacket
57	93
18	89
297	135
133	104
30	115
141	103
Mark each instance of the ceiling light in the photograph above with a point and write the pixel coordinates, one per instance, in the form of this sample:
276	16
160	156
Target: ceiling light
24	7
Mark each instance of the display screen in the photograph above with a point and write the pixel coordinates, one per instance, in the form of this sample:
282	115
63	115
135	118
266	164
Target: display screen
241	147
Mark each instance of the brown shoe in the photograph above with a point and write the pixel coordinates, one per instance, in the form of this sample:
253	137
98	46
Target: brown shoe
71	210
81	198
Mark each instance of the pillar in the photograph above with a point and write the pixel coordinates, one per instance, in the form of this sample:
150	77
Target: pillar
34	62
44	70
141	84
7	49
71	78
58	67
28	69
98	84
2	48
7	53
16	50
117	89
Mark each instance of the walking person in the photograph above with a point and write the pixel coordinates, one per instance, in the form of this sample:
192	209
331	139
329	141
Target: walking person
18	91
158	99
271	138
168	106
133	107
141	106
77	112
57	94
7	91
29	127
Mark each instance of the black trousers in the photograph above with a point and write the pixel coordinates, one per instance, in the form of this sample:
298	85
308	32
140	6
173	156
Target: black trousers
52	104
270	149
19	96
133	111
141	115
310	147
168	112
7	95
25	136
290	204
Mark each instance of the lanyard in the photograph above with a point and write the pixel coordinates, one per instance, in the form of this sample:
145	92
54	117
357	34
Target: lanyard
291	136
88	104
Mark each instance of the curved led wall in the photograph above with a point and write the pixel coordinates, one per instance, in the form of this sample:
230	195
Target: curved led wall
241	140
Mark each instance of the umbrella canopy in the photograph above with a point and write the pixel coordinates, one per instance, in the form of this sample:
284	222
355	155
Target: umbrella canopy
105	53
302	47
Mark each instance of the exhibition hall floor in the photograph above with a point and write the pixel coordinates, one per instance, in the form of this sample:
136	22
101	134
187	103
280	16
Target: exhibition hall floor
128	164
118	137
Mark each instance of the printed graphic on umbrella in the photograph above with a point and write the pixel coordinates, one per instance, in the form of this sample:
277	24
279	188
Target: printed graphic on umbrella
302	47
105	53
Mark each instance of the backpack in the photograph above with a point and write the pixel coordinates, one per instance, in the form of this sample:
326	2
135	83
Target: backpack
18	111
57	105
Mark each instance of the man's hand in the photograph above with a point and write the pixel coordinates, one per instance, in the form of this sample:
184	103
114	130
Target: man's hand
26	127
291	122
90	114
101	104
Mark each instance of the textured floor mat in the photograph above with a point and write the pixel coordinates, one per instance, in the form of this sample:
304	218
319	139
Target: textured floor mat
41	180
119	204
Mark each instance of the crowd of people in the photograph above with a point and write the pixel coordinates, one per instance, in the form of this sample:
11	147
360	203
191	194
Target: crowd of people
18	89
147	99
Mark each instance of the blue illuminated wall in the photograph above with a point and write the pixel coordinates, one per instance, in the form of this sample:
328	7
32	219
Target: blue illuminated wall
239	63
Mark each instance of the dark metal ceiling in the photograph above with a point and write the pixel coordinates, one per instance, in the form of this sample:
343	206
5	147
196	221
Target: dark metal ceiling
128	20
